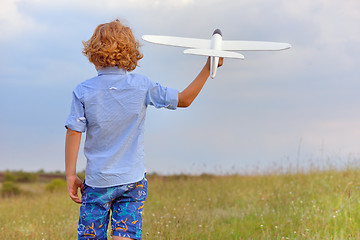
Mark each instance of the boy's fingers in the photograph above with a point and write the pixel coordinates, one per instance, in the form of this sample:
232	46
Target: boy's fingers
74	183
73	193
77	200
75	197
221	61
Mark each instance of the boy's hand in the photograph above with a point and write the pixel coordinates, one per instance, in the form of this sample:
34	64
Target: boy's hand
207	65
73	183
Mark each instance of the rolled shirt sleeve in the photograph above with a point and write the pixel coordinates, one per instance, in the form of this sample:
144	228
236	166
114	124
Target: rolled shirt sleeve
162	97
76	120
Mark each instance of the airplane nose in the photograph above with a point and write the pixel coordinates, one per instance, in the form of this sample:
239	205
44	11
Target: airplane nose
217	31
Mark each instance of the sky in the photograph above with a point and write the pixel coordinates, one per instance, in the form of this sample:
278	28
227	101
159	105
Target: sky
290	109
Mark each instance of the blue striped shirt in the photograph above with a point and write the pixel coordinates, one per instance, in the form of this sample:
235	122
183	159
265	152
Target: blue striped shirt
111	109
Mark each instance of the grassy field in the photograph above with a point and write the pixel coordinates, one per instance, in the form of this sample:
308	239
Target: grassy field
318	205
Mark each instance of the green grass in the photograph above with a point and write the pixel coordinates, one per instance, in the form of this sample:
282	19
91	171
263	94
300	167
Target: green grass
317	205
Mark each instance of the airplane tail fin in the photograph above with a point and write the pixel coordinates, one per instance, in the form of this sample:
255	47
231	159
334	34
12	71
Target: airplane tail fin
214	62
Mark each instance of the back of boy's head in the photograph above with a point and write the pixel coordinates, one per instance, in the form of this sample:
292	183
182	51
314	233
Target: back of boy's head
113	44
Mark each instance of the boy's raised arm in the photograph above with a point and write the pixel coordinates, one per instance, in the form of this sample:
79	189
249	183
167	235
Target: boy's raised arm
187	96
72	144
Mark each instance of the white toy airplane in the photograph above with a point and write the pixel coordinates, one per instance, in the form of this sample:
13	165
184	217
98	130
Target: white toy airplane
215	47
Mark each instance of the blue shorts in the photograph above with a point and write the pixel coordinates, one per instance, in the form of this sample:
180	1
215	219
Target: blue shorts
126	203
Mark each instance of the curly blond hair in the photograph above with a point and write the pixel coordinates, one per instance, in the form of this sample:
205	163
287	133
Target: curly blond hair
113	44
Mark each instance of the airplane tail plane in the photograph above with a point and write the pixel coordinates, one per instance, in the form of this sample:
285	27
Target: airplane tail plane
214	53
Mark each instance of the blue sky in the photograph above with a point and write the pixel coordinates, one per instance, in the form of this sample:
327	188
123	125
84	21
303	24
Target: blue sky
274	109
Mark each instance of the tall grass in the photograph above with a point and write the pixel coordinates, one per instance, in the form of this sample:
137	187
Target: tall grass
316	205
37	214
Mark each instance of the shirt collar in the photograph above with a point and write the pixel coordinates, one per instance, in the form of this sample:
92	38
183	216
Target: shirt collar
111	71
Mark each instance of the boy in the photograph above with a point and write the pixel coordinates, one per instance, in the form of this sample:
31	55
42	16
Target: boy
111	109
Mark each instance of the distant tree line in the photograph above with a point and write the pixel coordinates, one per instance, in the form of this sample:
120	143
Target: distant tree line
10	181
20	176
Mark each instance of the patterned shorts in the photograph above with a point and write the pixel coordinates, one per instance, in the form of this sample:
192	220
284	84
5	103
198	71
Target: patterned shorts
125	202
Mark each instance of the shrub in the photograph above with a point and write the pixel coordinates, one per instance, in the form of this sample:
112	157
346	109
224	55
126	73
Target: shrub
9	188
56	185
9	176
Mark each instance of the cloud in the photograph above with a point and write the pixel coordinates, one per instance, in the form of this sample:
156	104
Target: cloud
106	6
332	20
13	23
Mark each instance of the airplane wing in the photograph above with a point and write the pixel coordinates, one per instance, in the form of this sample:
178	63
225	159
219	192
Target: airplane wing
178	41
253	46
214	53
